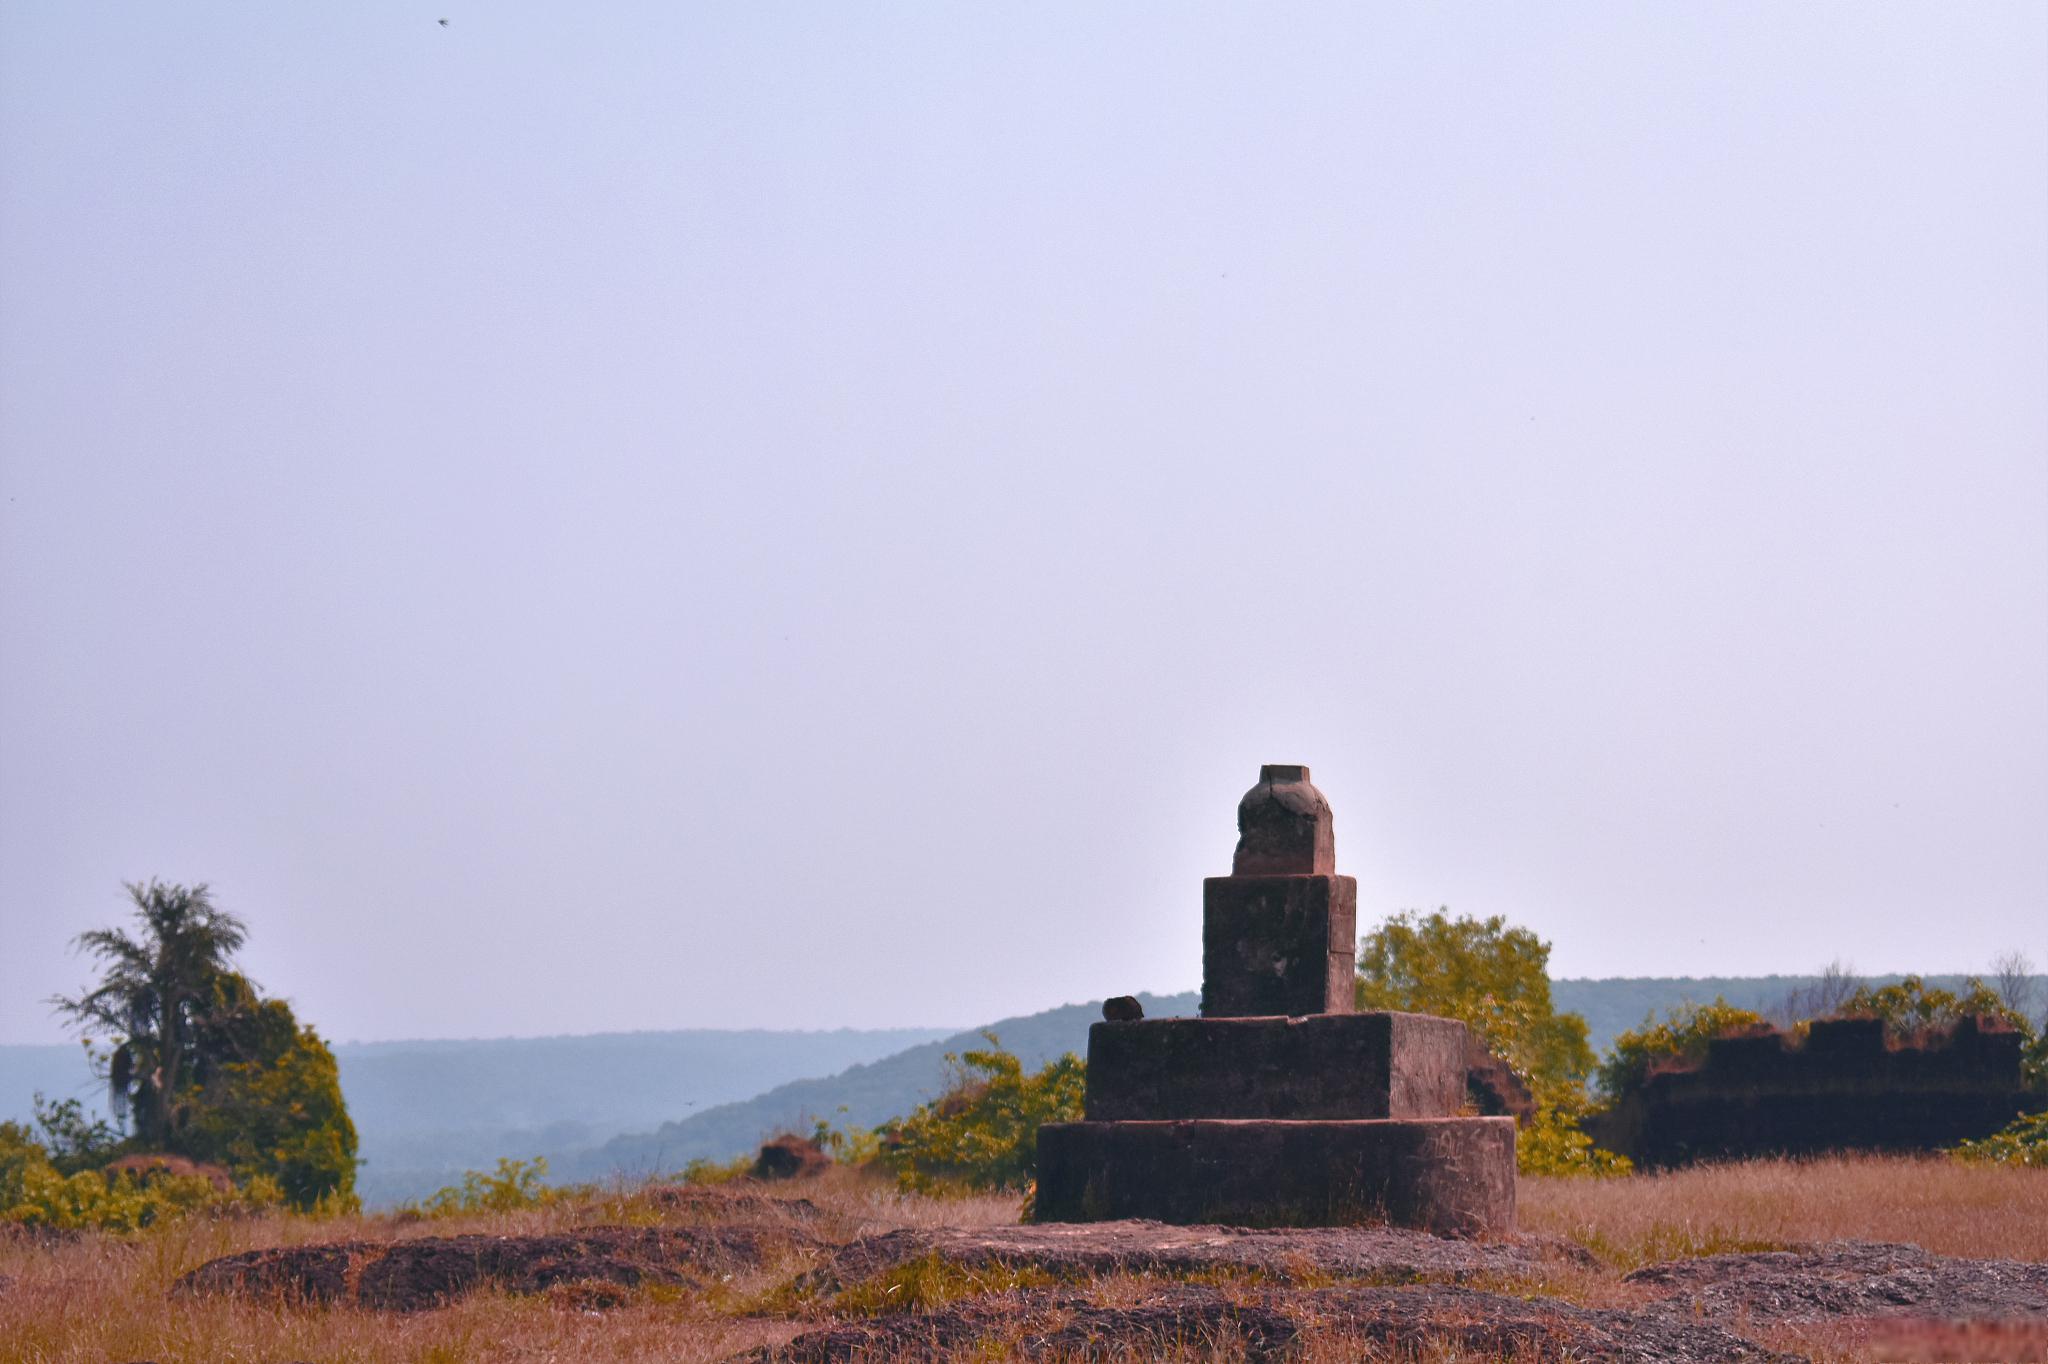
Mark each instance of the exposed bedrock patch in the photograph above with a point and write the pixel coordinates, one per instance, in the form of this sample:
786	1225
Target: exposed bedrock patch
1270	1326
410	1276
1851	1279
1039	1324
1082	1249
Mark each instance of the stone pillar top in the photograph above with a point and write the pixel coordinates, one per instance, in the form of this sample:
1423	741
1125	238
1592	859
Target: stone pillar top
1284	826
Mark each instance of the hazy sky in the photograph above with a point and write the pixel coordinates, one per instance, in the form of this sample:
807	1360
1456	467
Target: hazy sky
652	515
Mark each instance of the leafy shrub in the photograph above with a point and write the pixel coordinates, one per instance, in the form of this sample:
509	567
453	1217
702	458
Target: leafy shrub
514	1185
1490	976
1552	1143
982	1132
2024	1141
18	1151
1912	1007
1681	1038
91	1200
72	1141
847	1146
35	1192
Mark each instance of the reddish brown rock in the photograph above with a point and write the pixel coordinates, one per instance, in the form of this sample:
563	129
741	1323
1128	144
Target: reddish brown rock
1082	1250
791	1157
1122	1009
1269	1326
412	1276
1852	1280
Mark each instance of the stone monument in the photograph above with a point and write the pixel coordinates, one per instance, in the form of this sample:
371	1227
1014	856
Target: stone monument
1279	1106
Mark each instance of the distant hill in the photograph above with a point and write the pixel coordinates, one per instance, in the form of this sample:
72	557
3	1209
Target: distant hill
642	1103
862	1096
872	1093
428	1110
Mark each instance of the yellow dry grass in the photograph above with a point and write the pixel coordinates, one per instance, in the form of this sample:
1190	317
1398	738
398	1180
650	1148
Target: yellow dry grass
1982	1211
100	1299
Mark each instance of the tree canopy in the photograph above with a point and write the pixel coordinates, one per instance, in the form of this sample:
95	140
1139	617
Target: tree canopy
200	1063
982	1132
1492	977
155	997
1682	1037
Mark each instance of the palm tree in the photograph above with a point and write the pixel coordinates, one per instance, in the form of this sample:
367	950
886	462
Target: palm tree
159	988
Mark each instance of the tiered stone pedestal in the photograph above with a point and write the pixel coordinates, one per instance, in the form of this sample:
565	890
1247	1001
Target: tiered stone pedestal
1280	1106
1325	1120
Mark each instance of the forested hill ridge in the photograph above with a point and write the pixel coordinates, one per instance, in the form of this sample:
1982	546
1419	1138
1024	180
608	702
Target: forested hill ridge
869	1094
862	1096
648	1102
425	1111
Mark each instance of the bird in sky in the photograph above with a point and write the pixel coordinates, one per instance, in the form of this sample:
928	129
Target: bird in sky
443	23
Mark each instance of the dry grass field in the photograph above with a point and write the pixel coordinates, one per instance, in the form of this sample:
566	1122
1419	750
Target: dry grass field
101	1299
1980	1211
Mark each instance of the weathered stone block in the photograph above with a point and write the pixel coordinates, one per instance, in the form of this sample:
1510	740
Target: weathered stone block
1452	1176
1278	945
1375	1065
1284	827
1845	1037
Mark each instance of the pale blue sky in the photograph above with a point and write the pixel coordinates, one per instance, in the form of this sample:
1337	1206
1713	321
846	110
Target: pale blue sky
655	515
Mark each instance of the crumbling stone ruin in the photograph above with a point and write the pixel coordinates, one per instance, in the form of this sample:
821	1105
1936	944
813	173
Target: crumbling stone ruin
1279	1106
1847	1087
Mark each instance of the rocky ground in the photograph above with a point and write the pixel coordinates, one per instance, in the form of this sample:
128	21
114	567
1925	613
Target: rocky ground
1132	1290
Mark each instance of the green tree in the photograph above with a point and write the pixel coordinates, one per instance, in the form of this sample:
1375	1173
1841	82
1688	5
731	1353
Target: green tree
1493	978
1681	1038
269	1100
154	996
982	1132
204	1065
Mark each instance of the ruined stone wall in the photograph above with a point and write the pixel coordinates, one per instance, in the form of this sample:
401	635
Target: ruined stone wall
1845	1088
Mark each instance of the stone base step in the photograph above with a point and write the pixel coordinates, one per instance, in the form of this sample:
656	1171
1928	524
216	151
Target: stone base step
1334	1067
1452	1176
